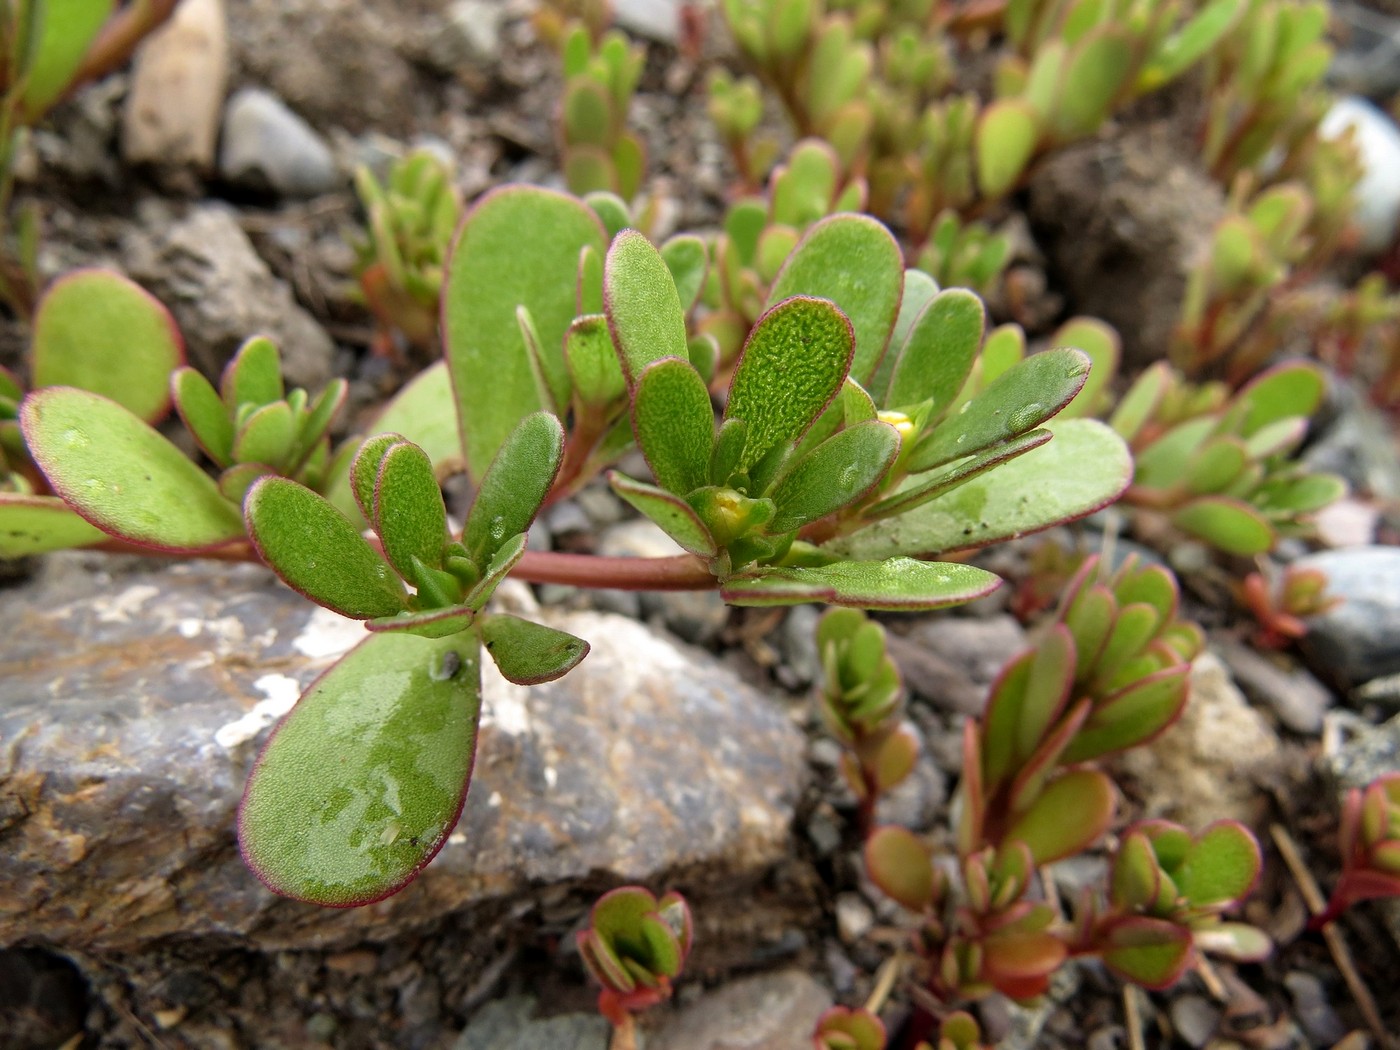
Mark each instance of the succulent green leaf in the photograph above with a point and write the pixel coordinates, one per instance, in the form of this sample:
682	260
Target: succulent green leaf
318	551
1072	811
1131	716
1220	867
97	330
644	309
1189	44
514	487
837	473
1136	877
1235	940
1101	343
518	246
1006	137
593	362
409	513
530	653
1020	400
507	555
1045	486
1217	464
428	623
364	471
931	485
674	516
674	424
362	782
1230	524
729	447
266	435
253	376
587	114
65	31
1095	75
895	759
999	729
919	290
611	210
122	476
896	585
320	415
38	524
934	361
856	263
1293	389
794	362
900	865
204	414
688	262
1149	952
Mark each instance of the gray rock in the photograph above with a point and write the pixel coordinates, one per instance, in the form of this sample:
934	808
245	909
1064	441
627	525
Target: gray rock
1123	219
267	146
1367	60
694	616
774	1011
139	703
1313	1009
1360	638
177	89
1195	1019
1297	698
797	642
204	268
658	20
510	1024
468	36
1357	444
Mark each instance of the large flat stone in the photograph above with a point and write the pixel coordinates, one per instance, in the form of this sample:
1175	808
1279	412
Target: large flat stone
131	708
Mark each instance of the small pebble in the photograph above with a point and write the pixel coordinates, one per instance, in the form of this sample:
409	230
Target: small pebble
1195	1019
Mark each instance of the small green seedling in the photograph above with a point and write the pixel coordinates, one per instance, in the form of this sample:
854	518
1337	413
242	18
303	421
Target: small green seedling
410	221
635	946
862	705
964	255
600	78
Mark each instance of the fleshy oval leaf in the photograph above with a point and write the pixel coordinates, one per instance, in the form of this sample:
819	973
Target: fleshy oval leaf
515	485
529	653
899	864
123	476
674	424
362	782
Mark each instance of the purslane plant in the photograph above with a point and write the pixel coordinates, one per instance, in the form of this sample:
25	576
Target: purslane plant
862	434
1109	674
1281	599
635	946
1370	846
600	77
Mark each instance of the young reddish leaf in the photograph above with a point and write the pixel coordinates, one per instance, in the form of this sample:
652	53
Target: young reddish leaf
1069	814
530	653
1044	487
895	759
1220	867
674	424
409	513
122	476
514	487
894	585
518	246
203	414
934	361
1089	618
318	551
675	517
643	307
1014	957
856	263
796	358
840	1028
899	864
1149	952
1136	624
1047	689
1029	782
360	784
837	473
98	331
38	524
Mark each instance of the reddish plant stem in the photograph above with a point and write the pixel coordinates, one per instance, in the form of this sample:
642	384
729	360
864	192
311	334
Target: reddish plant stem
684	572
